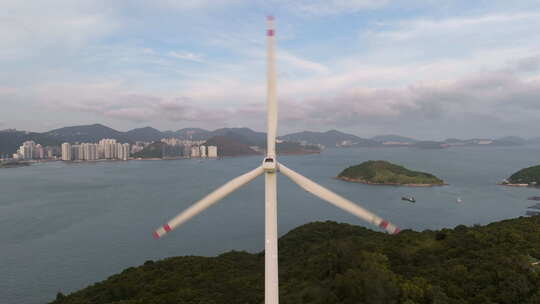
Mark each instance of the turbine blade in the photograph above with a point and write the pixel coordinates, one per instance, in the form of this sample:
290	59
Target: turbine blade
271	90
337	200
208	201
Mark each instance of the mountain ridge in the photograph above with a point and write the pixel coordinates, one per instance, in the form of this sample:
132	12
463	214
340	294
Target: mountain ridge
11	139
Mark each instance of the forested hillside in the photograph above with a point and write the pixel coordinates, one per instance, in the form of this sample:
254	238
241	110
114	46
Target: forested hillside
340	263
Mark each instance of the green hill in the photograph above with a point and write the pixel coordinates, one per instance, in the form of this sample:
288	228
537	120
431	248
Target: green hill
340	263
153	150
385	173
530	175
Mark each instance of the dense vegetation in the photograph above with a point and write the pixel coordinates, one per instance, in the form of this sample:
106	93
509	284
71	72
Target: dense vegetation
13	164
10	140
529	175
383	172
288	147
231	145
153	150
340	263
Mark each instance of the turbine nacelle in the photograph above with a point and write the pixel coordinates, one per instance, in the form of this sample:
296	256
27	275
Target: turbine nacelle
269	164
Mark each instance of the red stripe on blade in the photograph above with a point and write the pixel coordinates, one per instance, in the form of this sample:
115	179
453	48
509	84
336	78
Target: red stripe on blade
166	227
155	235
397	231
270	32
383	224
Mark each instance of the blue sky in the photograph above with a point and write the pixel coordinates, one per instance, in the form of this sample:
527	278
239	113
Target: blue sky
431	69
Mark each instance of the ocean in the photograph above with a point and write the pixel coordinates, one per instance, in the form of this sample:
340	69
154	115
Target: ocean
64	226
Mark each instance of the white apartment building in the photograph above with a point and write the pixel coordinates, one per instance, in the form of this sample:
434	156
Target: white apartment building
66	151
212	152
109	148
203	151
195	151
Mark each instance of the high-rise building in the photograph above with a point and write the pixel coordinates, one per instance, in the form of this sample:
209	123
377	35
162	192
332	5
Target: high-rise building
195	151
39	152
212	151
26	151
81	155
203	151
125	151
93	152
66	151
109	148
118	151
75	152
89	151
187	150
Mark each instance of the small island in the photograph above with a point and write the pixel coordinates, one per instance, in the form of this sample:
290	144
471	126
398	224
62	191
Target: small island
528	177
385	173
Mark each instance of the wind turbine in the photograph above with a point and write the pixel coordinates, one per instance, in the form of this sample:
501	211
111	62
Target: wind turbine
270	167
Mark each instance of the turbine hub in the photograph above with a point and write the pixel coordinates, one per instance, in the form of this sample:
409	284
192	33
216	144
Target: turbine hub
269	164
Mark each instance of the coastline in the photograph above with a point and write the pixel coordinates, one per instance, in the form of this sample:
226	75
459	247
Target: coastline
17	165
360	181
518	185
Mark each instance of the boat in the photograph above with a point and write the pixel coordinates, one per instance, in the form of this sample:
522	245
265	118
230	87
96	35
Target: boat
459	200
408	198
534	198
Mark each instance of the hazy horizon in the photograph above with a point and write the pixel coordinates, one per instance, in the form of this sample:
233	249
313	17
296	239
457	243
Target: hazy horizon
283	134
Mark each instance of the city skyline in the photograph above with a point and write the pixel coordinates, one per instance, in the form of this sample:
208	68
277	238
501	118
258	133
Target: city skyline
109	149
365	67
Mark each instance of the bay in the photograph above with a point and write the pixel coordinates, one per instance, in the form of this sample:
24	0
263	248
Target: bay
65	226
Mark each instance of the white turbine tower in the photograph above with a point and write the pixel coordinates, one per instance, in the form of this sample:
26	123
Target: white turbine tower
270	167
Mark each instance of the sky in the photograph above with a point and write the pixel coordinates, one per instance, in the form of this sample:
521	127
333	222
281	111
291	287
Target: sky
424	68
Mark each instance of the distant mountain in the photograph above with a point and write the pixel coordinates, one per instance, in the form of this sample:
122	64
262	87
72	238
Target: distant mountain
364	142
510	141
252	138
393	138
535	140
86	133
144	134
193	134
289	147
230	146
10	140
153	150
330	138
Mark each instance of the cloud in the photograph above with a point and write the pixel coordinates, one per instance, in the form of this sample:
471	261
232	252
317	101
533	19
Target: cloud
415	73
480	102
332	7
113	100
59	24
529	64
186	56
456	36
485	101
184	5
8	91
289	59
